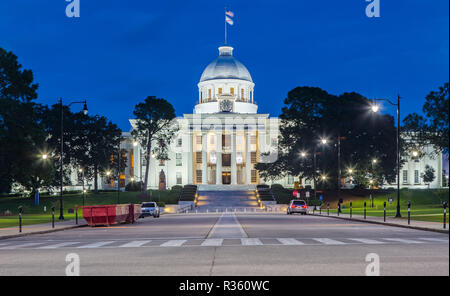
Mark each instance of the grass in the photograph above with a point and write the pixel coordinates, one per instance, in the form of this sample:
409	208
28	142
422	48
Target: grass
426	204
33	214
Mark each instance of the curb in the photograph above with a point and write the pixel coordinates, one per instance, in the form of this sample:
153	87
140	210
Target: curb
385	223
41	232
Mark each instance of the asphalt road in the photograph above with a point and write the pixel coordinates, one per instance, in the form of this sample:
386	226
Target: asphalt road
228	244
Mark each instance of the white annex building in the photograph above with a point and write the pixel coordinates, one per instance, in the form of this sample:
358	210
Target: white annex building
219	144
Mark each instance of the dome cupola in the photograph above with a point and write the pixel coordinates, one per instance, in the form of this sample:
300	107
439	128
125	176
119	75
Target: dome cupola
226	86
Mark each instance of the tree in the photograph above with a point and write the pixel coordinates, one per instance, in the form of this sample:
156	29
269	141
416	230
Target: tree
311	113
154	126
428	176
97	147
22	137
434	127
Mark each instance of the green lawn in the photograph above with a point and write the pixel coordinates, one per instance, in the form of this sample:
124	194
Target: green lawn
33	214
426	204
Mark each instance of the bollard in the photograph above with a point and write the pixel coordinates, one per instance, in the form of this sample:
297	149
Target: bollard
339	208
365	213
328	209
384	211
409	213
20	218
445	214
351	210
76	214
53	216
320	210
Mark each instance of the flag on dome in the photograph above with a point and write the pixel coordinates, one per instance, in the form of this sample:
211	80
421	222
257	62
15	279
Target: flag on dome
229	13
228	17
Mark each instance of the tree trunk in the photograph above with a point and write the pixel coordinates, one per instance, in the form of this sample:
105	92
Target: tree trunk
147	167
95	179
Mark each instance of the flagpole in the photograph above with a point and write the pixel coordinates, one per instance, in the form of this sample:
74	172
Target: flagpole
225	26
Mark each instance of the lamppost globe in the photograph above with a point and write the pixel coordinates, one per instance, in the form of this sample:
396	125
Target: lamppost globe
44	156
324	141
303	154
375	108
85	109
108	173
80	170
374	160
132	179
135	143
350	171
415	153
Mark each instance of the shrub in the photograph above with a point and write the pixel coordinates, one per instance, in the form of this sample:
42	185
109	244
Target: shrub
161	204
177	188
133	186
277	186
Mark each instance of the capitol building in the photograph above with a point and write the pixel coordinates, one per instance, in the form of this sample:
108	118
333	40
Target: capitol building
218	146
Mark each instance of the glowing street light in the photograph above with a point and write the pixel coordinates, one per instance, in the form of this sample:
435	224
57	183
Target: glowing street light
374	161
135	143
108	173
303	154
375	108
415	153
44	156
350	171
323	141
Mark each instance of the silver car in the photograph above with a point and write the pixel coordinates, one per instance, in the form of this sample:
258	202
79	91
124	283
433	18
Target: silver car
149	209
297	206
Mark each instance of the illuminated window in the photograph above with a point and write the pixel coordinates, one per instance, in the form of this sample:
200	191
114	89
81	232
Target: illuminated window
232	90
254	176
253	157
198	176
242	94
198	157
405	176
198	140
220	90
416	177
209	94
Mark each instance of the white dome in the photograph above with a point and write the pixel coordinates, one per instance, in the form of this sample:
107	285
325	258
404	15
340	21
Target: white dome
226	67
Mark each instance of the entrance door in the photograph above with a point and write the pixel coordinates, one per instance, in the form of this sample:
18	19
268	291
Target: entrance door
226	178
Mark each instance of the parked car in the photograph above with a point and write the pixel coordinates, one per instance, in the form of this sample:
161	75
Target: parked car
297	206
149	209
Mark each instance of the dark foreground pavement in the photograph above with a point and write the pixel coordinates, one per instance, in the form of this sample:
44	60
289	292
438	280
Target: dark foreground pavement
228	244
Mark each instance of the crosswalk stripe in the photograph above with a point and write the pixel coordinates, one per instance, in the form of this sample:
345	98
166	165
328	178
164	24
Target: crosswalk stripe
213	242
289	241
135	244
366	241
432	239
251	242
328	241
95	245
20	246
60	245
173	243
401	240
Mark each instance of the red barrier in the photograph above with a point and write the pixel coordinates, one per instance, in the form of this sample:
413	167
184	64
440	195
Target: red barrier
111	214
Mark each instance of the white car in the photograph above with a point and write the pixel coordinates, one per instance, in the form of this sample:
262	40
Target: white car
149	209
297	206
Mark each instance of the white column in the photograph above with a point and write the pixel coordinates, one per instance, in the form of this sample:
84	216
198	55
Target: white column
190	164
219	158
204	158
248	162
233	158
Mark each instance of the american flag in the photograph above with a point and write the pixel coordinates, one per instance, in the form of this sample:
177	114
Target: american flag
228	17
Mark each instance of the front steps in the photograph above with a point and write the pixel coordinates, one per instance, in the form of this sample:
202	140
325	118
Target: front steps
226	187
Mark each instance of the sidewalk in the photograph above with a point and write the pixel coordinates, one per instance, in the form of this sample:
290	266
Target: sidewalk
10	232
390	221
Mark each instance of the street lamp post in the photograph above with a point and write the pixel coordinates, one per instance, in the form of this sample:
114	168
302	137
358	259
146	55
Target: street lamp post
375	108
85	110
82	181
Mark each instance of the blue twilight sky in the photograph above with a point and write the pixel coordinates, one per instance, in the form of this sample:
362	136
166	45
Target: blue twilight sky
119	52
